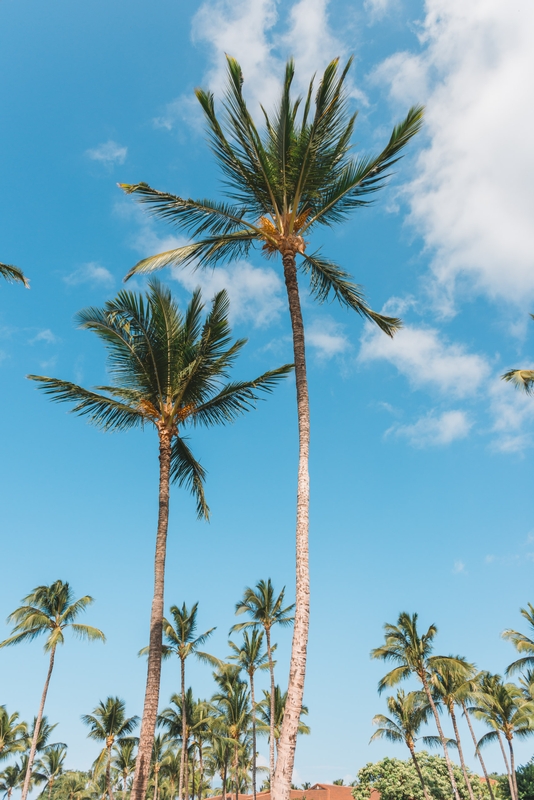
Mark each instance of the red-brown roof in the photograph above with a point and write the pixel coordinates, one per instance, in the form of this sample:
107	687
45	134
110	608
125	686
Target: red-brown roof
319	791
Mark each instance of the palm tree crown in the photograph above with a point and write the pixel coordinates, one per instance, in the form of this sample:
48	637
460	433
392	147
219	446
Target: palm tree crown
523	644
12	734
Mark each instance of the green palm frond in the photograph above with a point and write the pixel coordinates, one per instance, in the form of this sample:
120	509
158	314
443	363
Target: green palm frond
187	471
87	632
521	378
13	275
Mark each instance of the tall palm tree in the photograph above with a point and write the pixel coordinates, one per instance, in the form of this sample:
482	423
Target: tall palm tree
523	644
124	760
48	611
408	713
51	766
502	706
283	183
12	734
265	610
169	371
109	724
411	652
448	682
522	379
13	275
251	657
272	725
201	726
180	639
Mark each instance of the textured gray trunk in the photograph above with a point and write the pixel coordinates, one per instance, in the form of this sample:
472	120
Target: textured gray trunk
512	768
460	753
418	769
510	779
35	739
479	754
150	709
441	735
281	783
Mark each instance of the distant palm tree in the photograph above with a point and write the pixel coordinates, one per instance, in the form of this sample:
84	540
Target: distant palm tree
522	379
73	786
523	644
10	779
124	760
408	713
251	656
43	738
12	734
109	724
503	708
51	766
412	653
294	177
48	610
160	752
265	610
170	370
232	702
13	274
272	725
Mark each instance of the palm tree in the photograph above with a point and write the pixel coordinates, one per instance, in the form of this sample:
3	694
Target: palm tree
408	713
504	709
265	611
181	640
283	183
170	771
12	734
43	738
522	643
73	786
411	652
232	702
10	779
272	724
177	721
48	610
251	657
108	723
13	275
201	726
51	766
448	682
522	379
160	752
169	371
124	760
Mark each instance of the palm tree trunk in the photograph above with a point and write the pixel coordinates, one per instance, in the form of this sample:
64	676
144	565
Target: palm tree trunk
418	770
251	675
184	730
186	770
460	752
430	699
281	783
224	780
150	709
272	708
108	774
236	769
508	772
512	768
156	776
200	768
479	754
35	738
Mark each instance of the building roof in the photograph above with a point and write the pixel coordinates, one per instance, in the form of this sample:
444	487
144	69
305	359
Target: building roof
319	791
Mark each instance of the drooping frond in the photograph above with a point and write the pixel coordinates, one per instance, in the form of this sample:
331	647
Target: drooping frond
13	275
187	471
521	378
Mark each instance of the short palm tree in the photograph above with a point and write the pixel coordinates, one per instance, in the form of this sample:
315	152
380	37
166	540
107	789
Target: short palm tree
233	704
170	370
43	737
109	724
48	611
523	644
10	778
265	610
251	657
272	725
124	761
411	652
408	713
521	378
13	275
51	766
74	786
12	734
283	183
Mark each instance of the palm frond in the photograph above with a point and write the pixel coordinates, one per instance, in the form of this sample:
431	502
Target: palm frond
521	378
13	275
187	471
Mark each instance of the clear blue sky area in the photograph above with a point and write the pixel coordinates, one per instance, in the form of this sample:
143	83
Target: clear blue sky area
421	458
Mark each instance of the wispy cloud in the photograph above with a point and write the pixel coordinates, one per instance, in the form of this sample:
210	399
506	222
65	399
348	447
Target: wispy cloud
46	336
326	336
434	430
91	273
459	568
108	153
377	9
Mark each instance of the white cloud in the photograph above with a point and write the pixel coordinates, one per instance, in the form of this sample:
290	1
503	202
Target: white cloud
512	412
472	198
91	273
425	357
377	9
459	567
44	336
326	337
108	153
433	430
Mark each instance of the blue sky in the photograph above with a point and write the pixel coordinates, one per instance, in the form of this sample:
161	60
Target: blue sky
421	462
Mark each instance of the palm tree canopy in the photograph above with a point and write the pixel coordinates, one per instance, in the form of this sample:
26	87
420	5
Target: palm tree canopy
50	610
108	722
264	607
264	708
503	708
522	643
169	370
13	734
451	680
522	379
250	656
181	637
410	650
13	275
408	713
284	181
51	763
